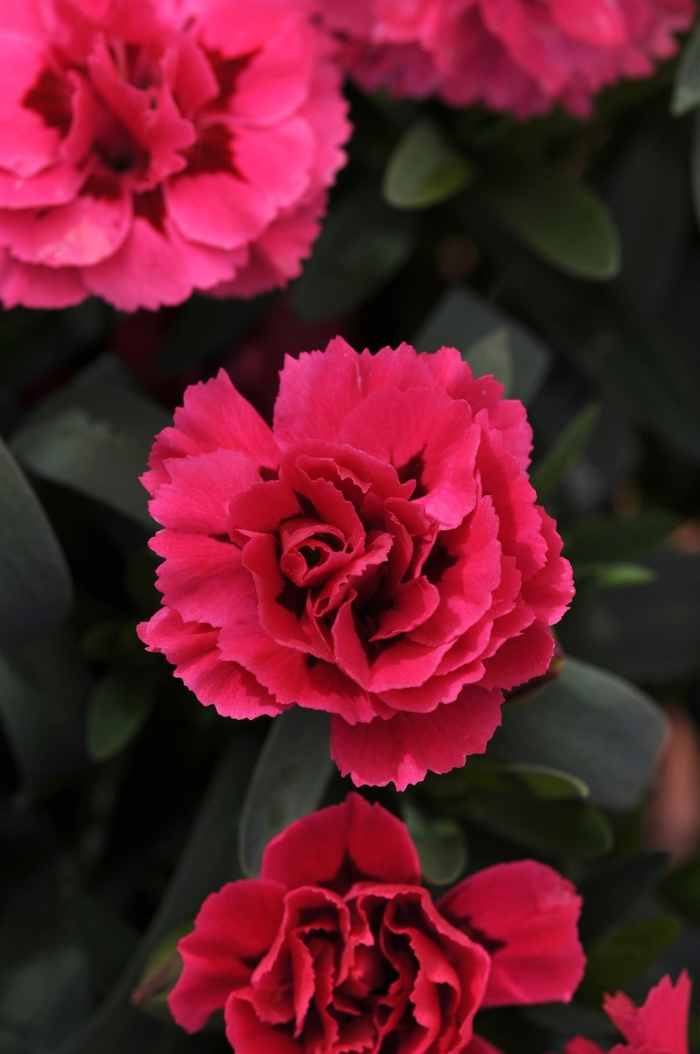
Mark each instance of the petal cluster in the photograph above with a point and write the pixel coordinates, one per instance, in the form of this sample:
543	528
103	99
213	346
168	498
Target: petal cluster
378	555
155	147
337	947
660	1026
522	56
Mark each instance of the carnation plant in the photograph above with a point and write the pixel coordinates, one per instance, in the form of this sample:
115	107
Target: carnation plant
350	522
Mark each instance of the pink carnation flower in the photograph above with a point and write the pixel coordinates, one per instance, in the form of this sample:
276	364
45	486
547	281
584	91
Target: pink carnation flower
154	147
337	947
524	56
660	1026
378	555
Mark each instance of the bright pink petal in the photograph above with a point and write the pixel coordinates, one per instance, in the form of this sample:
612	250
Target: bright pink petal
437	450
484	393
525	915
597	22
202	577
57	185
276	83
197	498
472	558
269	172
157	266
39	287
581	1045
402	749
89	229
192	649
234	926
27	142
247	1034
477	1045
341	845
319	389
520	658
662	1023
214	415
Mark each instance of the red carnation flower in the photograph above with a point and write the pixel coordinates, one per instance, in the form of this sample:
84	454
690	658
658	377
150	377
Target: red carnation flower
337	947
378	555
658	1027
524	56
154	147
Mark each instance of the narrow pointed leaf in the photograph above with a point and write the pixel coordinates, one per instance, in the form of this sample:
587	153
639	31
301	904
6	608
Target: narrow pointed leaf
289	780
565	451
95	436
35	586
686	88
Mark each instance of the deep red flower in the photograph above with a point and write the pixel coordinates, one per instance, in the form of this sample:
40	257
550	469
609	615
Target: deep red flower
378	555
524	56
154	147
658	1027
338	948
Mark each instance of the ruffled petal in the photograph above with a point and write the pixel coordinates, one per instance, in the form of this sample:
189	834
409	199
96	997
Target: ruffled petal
341	845
402	749
525	915
234	926
192	648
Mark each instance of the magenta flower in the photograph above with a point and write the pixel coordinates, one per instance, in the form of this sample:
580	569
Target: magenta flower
153	147
524	56
337	947
378	555
660	1026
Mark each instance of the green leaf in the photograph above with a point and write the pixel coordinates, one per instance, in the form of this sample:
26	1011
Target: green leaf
492	355
681	889
160	974
686	88
43	689
651	633
424	169
363	244
616	959
567	448
95	436
208	861
117	708
559	217
499	777
592	724
616	887
566	828
615	576
290	778
462	319
618	538
440	843
35	586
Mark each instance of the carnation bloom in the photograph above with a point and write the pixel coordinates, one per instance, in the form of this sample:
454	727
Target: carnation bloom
519	55
154	147
378	554
658	1027
337	947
